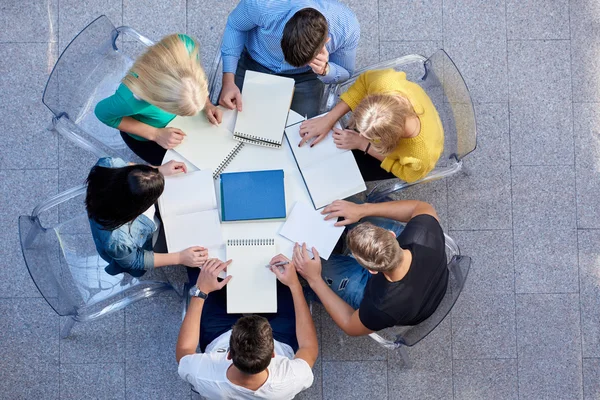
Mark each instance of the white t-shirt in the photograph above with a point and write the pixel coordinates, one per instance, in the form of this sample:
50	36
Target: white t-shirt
207	372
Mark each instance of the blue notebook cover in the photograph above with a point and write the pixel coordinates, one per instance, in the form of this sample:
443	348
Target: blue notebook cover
252	195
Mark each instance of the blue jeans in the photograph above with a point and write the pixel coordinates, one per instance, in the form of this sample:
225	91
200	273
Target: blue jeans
307	92
346	277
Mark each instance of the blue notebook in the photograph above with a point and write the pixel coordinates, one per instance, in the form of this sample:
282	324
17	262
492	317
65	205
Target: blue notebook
252	195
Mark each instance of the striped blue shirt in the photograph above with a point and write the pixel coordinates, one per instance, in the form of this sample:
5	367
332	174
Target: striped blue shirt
258	26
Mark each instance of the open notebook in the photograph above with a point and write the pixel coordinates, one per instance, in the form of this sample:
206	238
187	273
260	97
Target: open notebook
266	100
328	172
205	145
253	288
188	207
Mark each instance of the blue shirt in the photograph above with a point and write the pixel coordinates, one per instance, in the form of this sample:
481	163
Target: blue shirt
129	247
258	26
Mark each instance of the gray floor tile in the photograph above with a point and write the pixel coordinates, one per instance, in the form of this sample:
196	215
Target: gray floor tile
100	341
337	346
435	193
314	392
367	53
29	21
368	17
543	197
388	50
478	199
105	381
484	20
584	64
485	379
432	353
591	378
354	380
534	272
420	20
589	265
29	331
493	138
15	281
155	379
483	66
81	13
155	18
537	19
147	337
491	253
72	157
549	379
541	134
24	380
539	70
483	326
68	179
588	186
548	328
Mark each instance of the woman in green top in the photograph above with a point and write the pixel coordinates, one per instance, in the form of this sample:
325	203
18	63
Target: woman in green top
166	81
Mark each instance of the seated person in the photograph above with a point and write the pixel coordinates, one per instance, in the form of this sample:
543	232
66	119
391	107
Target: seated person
120	202
312	41
397	130
392	278
166	81
247	357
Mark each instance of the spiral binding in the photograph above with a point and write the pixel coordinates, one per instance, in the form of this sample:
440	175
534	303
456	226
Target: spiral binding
234	152
242	137
250	242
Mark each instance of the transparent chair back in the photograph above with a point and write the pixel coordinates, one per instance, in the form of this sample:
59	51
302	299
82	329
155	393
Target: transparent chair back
66	268
88	70
444	84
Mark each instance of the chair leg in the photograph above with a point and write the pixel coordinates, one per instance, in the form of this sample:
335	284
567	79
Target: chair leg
66	330
405	357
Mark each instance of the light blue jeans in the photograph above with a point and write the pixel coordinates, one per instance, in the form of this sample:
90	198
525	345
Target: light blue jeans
344	275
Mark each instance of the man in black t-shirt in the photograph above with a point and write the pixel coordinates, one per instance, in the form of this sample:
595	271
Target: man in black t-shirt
392	278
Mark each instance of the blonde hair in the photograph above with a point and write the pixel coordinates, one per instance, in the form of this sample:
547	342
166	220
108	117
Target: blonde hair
374	248
381	118
170	76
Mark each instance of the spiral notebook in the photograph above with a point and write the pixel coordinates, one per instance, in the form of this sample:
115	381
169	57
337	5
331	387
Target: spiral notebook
266	100
253	288
205	145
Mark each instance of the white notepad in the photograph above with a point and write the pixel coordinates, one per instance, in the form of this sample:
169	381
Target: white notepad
188	207
306	225
328	172
253	288
205	145
266	101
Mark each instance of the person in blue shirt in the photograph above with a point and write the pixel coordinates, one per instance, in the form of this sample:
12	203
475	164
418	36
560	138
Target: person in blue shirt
312	41
120	202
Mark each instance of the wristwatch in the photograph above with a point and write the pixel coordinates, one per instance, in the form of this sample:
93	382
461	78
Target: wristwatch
195	292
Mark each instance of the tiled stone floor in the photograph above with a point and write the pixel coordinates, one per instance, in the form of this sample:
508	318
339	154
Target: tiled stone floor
528	323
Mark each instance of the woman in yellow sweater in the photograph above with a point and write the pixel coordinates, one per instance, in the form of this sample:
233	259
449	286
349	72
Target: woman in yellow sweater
397	131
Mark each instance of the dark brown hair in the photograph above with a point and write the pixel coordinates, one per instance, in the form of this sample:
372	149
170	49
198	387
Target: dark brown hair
303	36
251	344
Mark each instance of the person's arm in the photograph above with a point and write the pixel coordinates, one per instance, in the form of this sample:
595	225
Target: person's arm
343	60
399	210
189	333
244	17
409	169
193	257
319	127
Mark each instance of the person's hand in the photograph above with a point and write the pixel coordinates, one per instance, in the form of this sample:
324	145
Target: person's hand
230	96
351	212
317	128
213	113
348	139
319	64
310	269
286	273
207	280
194	256
172	167
168	137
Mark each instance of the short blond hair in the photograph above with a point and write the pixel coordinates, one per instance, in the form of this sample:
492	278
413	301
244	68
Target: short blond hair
374	248
381	119
170	76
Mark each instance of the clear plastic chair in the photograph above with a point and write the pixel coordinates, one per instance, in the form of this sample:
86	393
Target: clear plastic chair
444	84
67	270
88	70
215	77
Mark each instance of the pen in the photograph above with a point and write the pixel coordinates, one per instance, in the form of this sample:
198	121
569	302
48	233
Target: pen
277	264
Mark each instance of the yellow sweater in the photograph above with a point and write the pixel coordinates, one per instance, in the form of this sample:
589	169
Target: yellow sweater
414	157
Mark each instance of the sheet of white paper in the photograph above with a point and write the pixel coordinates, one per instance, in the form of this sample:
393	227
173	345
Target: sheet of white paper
195	229
306	225
189	192
307	156
253	288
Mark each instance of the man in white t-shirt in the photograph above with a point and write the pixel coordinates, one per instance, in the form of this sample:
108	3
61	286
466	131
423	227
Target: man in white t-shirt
254	358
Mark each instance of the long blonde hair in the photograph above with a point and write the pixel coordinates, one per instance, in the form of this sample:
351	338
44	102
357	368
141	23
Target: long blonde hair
381	119
170	76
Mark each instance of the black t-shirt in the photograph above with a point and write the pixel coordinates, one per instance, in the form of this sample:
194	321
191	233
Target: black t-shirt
416	296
